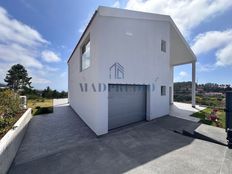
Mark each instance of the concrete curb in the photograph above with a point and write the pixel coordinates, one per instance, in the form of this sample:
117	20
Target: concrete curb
10	143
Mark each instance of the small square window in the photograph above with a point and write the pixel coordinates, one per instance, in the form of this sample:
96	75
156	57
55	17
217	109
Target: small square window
163	90
163	46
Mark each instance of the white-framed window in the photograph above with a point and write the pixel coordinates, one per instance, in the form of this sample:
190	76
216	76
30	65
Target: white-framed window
163	90
85	55
163	46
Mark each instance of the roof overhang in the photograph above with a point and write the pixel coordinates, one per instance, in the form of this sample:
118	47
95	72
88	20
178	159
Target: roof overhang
180	51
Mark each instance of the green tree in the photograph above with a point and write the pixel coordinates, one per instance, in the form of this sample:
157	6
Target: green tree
55	94
17	78
47	93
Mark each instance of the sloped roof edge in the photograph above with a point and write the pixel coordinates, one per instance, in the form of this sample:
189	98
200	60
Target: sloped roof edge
95	13
124	13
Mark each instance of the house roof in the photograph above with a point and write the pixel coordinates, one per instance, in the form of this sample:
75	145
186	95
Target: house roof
175	33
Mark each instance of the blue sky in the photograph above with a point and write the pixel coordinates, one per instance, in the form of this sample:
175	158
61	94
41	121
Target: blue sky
42	34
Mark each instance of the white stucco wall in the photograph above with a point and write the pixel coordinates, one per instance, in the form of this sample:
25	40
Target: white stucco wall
136	45
84	103
11	142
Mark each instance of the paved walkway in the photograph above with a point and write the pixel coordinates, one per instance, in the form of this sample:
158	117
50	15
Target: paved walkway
184	110
52	133
61	143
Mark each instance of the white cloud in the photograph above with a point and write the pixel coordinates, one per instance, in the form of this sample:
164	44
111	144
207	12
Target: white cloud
183	74
19	43
12	30
87	20
14	53
39	76
205	67
187	14
217	41
116	4
4	67
40	80
224	56
47	70
51	69
210	40
50	56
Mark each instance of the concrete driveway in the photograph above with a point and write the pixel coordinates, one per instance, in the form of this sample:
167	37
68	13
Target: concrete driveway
185	110
61	143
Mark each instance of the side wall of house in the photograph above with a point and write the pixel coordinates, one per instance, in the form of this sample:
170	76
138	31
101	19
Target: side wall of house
85	103
136	45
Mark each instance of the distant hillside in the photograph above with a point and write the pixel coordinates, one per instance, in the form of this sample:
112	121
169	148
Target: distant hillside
209	94
186	87
182	91
183	87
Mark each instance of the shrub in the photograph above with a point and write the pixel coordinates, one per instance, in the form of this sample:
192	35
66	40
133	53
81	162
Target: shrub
43	110
4	122
9	103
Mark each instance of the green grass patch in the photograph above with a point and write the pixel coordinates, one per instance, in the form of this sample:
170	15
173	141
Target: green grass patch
203	116
41	106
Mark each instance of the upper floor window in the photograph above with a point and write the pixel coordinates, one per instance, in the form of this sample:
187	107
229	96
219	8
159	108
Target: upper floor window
163	90
163	46
85	55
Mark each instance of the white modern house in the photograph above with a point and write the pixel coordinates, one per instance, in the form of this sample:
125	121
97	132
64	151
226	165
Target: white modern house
121	70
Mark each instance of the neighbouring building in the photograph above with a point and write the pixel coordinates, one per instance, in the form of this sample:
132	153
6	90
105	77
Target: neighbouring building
121	70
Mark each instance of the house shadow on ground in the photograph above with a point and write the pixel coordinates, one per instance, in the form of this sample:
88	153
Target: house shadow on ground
62	143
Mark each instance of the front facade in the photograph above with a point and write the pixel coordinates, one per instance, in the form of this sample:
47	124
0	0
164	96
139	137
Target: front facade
121	70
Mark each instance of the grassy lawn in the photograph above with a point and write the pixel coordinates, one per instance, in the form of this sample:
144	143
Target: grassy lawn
206	112
41	106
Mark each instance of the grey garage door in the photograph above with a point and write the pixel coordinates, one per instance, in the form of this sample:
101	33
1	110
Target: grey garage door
126	104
